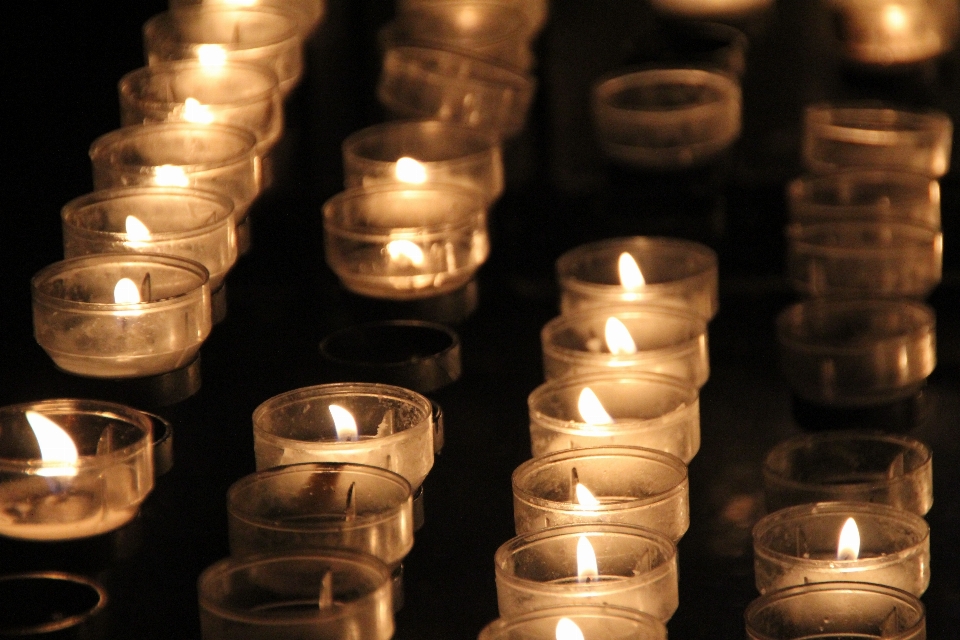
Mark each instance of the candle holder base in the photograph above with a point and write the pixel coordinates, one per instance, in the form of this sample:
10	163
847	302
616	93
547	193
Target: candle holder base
418	512
451	308
161	390
396	579
897	416
218	304
95	555
52	604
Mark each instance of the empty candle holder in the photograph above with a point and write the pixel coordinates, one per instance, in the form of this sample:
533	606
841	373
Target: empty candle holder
315	596
563	623
308	13
650	338
424	152
121	315
423	83
213	157
836	610
620	485
72	468
403	242
858	466
605	564
878	136
865	194
52	604
856	259
615	408
661	271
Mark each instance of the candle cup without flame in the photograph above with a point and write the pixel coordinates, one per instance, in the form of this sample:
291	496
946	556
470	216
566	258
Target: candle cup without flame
676	272
594	621
86	333
890	469
314	596
100	492
307	13
632	485
637	570
52	604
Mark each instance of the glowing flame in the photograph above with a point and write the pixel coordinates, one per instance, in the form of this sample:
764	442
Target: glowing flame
136	230
242	3
410	171
56	447
406	253
195	112
211	55
619	340
126	292
848	547
586	497
895	18
168	175
344	423
567	629
630	276
590	408
586	561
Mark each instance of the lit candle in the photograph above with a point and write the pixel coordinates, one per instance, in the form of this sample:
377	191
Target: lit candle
536	11
577	622
885	33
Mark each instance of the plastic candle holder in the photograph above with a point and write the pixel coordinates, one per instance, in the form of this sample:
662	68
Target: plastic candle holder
260	34
873	135
884	468
853	259
212	157
803	544
836	610
308	13
636	569
417	82
667	340
631	485
424	152
401	242
856	352
79	323
710	9
865	194
675	273
666	118
644	410
314	596
535	11
52	604
72	468
593	621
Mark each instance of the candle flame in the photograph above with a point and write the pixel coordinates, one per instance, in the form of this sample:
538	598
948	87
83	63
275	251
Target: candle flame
56	447
405	252
631	278
586	497
211	55
410	171
242	3
586	561
168	175
895	17
195	112
344	423
619	340
590	408
567	629
136	230
126	292
848	547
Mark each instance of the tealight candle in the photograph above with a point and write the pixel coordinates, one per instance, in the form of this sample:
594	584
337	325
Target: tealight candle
260	34
424	152
884	468
893	32
622	485
314	596
121	315
878	136
308	13
72	468
663	271
611	564
402	242
536	11
845	541
52	604
648	338
576	622
836	610
615	407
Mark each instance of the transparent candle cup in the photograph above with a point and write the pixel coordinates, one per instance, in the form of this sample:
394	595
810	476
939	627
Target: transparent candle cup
212	157
647	410
675	272
403	242
718	10
233	93
425	83
637	569
259	34
188	223
395	429
308	13
424	152
853	259
836	610
326	595
865	194
593	621
666	118
86	332
52	604
631	485
856	352
536	11
882	468
66	496
872	135
667	340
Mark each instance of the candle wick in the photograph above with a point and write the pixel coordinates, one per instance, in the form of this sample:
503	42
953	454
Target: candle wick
895	470
574	481
326	591
350	511
146	288
236	32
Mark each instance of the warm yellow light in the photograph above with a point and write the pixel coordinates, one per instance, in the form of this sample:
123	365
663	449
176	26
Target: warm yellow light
590	408
126	292
631	277
169	175
895	18
848	547
57	450
195	112
567	629
211	55
344	423
586	561
586	497
241	3
136	230
619	340
405	253
410	171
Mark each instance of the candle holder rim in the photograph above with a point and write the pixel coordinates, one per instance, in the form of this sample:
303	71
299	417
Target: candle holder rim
706	259
174	67
906	235
926	121
415	54
502	12
646	76
435	327
574	611
352	142
103	598
290	28
805	184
